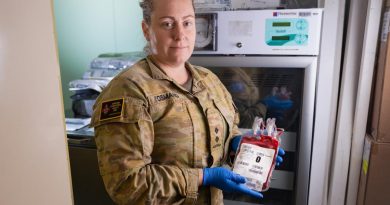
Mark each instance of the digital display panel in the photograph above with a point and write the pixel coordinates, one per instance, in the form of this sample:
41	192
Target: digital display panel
280	38
281	24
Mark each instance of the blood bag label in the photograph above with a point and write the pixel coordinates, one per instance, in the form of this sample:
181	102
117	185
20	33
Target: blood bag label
254	163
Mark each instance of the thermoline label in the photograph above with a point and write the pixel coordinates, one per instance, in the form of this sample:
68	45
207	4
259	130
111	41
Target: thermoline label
254	163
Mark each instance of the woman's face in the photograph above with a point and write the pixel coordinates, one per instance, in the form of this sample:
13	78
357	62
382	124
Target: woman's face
171	32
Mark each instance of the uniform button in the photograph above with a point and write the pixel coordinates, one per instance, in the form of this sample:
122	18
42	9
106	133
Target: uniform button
210	160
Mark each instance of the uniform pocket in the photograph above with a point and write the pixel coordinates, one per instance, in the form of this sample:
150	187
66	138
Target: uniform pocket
173	131
227	112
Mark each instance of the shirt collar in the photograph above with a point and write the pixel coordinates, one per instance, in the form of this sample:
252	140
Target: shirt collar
198	78
197	75
156	72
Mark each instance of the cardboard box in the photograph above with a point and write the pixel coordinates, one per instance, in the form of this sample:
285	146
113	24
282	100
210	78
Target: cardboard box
379	124
374	182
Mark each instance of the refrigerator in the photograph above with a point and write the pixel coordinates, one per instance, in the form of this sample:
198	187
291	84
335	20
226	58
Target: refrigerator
267	59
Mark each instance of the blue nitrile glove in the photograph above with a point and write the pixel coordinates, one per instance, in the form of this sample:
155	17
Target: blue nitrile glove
236	141
279	158
227	181
273	102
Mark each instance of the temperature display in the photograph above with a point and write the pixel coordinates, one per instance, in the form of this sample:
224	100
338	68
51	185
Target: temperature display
280	38
287	32
281	24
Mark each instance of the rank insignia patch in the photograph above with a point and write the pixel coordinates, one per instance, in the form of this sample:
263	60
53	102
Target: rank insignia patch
111	109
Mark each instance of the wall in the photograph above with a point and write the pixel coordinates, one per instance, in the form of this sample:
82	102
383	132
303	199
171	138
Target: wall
88	28
33	151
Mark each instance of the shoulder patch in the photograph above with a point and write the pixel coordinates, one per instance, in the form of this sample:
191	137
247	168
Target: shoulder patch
111	109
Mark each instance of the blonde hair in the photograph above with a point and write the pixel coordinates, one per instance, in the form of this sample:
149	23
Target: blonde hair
147	9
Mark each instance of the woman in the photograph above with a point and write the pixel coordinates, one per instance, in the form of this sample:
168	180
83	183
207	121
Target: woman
163	127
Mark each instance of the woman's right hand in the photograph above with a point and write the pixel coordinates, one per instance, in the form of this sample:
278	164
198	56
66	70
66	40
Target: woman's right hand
227	181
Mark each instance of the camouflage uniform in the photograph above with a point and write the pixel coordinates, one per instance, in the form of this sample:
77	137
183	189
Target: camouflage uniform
153	136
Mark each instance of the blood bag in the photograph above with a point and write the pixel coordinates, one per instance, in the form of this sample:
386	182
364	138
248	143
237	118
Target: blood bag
256	156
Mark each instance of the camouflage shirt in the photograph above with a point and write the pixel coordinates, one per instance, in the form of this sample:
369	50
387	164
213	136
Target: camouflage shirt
153	136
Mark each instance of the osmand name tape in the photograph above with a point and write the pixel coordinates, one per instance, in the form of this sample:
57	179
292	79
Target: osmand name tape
111	109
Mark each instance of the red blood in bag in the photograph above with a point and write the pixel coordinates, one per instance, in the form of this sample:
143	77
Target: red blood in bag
265	142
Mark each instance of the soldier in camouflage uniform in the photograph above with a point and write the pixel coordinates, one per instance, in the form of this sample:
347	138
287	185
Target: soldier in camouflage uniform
156	129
